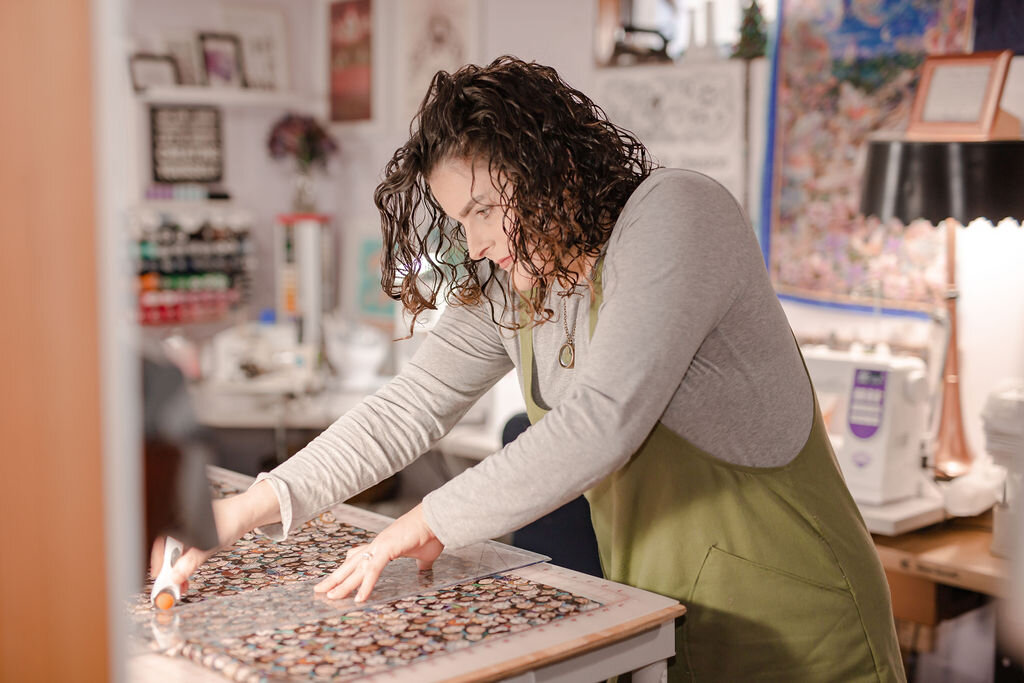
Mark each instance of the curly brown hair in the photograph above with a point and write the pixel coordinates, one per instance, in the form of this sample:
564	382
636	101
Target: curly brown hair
565	173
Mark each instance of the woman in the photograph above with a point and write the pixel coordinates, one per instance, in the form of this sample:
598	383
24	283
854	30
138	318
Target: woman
659	372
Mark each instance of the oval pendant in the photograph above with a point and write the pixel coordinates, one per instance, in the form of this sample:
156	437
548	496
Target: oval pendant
567	355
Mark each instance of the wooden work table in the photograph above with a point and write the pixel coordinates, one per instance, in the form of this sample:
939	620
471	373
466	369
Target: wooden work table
954	553
637	634
940	572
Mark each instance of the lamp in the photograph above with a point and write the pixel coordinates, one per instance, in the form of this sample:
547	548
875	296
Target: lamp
956	183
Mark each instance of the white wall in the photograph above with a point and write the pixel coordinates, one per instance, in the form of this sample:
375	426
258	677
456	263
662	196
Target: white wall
559	34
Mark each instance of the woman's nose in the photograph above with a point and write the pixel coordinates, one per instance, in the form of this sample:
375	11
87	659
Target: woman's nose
478	244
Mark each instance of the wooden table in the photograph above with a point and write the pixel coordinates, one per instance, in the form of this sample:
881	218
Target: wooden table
954	553
922	565
633	630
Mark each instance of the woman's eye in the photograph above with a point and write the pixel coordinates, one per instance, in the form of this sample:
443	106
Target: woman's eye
484	212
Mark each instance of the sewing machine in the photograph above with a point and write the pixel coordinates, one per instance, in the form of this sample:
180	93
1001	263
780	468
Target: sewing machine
876	405
263	358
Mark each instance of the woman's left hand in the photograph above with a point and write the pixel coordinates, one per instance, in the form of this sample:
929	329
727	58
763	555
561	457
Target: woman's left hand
408	536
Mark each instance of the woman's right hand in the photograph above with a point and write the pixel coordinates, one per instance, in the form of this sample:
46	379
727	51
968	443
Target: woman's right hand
233	517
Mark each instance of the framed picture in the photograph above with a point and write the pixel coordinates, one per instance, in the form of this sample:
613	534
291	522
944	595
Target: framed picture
433	35
186	144
689	115
958	99
149	70
263	32
374	305
222	60
351	60
183	46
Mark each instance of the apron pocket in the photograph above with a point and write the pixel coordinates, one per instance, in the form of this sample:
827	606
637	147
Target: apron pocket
747	621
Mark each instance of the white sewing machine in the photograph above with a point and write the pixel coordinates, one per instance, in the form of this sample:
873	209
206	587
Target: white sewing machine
876	406
262	358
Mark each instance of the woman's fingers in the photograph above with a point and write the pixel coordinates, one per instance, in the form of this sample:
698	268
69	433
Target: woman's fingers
426	555
341	573
183	568
351	582
187	564
333	579
408	536
365	564
360	570
156	557
371	564
371	572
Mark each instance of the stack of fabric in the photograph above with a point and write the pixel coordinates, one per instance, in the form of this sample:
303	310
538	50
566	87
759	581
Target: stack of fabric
1003	419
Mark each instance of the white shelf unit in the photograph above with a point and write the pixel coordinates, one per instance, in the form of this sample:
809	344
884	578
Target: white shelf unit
257	183
235	97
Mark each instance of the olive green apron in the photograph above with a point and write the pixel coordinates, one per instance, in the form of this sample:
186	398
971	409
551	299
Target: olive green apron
778	573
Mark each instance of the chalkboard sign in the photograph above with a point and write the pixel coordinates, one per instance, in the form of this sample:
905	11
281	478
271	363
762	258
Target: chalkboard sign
186	144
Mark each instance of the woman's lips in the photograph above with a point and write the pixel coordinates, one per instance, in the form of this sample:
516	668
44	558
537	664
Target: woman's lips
505	263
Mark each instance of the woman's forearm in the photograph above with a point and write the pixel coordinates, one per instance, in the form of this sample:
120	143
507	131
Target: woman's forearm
262	506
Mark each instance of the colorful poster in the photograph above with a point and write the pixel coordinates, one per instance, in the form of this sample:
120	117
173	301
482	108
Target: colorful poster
848	69
351	60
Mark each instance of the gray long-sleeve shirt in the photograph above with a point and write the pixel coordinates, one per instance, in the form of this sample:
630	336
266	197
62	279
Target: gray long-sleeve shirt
689	333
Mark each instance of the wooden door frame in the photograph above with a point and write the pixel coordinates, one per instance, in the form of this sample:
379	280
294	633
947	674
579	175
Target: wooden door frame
54	607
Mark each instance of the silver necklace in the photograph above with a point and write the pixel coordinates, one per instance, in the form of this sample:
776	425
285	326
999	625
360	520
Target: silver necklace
567	351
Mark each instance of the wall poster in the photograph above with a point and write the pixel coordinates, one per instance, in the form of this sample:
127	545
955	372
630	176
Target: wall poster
688	115
350	69
434	35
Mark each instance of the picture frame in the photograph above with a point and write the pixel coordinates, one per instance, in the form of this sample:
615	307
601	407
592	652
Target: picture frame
222	60
958	99
433	36
183	46
374	304
186	144
263	32
150	70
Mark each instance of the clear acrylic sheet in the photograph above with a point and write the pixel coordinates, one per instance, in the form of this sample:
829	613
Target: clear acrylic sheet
292	604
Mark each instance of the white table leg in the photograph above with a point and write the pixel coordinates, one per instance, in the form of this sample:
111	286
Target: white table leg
656	672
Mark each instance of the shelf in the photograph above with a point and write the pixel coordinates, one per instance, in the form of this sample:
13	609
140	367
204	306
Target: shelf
232	97
191	205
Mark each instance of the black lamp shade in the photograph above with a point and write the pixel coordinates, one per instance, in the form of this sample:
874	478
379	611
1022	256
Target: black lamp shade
938	180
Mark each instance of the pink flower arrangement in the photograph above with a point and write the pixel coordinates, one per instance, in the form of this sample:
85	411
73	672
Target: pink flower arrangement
302	138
